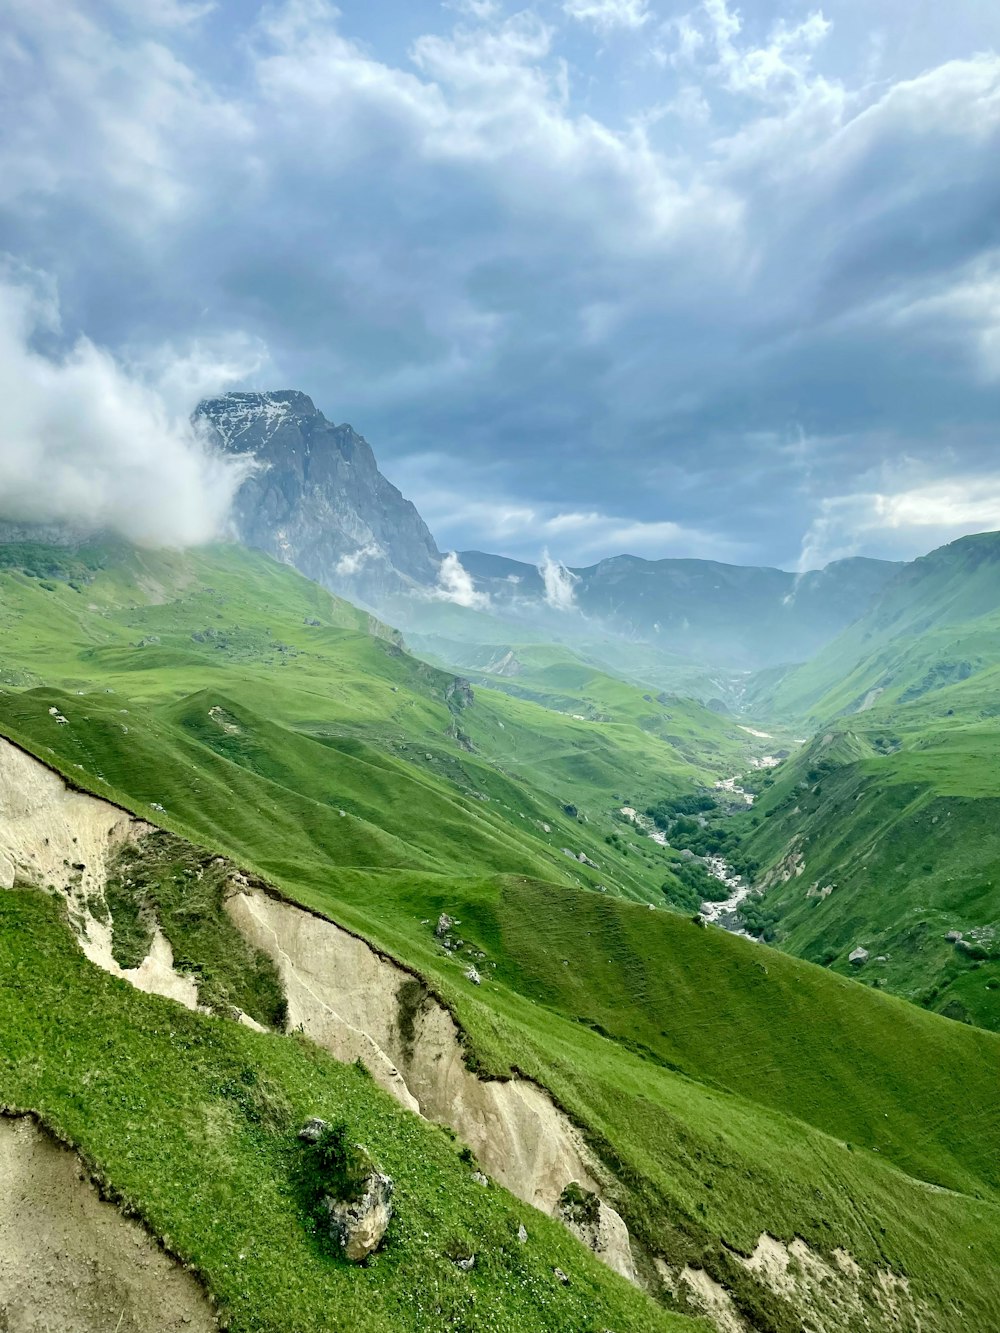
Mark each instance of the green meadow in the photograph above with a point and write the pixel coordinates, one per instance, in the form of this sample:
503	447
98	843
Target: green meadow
732	1089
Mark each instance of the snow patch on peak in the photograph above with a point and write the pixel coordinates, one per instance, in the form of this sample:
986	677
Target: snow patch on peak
238	412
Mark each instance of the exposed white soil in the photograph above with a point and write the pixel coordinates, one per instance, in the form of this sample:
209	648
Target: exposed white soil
712	1300
72	1263
348	998
829	1297
358	1004
792	864
53	837
838	1295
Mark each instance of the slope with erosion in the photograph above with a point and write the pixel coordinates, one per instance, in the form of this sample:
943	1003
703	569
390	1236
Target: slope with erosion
626	1016
663	1121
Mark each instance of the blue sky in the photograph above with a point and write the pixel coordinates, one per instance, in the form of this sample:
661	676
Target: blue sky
592	275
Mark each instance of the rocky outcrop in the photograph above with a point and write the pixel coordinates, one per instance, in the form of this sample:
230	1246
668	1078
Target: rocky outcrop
599	1227
358	1227
317	499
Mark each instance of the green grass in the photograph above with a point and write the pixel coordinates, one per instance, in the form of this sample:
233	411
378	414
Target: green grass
191	1120
166	880
733	1089
893	807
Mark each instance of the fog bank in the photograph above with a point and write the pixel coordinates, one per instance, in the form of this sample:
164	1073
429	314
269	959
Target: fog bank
88	443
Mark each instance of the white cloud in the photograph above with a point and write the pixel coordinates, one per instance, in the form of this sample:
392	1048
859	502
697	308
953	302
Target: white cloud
518	527
455	584
166	13
780	70
183	375
351	563
902	523
966	311
606	15
560	591
89	445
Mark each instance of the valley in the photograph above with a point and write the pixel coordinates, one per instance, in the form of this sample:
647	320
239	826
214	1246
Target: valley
355	790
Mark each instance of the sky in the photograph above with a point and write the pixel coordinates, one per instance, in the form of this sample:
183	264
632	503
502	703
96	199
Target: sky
665	277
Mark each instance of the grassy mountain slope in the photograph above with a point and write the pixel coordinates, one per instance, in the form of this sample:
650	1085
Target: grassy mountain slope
190	1121
882	833
732	1089
576	682
935	623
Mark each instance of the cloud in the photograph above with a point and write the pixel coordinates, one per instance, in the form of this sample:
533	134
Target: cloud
560	592
517	528
619	283
88	445
351	563
606	15
779	69
455	584
902	522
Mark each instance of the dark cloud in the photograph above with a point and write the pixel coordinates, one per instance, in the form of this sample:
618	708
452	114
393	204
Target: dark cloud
685	334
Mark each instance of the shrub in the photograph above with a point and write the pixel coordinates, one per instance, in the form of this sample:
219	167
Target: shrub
336	1166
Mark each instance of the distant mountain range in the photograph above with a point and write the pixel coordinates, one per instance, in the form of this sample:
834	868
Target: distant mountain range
319	502
730	615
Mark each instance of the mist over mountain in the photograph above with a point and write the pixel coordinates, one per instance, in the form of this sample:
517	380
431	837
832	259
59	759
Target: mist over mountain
315	498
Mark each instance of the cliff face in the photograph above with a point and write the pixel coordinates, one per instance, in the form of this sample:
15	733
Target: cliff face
317	499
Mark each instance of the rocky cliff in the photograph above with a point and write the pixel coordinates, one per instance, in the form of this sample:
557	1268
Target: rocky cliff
317	499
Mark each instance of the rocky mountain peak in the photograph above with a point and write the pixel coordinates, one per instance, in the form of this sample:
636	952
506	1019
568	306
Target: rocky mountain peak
317	499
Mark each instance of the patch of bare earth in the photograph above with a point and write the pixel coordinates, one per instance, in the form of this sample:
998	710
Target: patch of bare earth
71	1263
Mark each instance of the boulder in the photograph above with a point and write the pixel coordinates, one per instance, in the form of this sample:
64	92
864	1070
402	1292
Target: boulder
472	975
357	1226
312	1130
444	924
953	936
858	957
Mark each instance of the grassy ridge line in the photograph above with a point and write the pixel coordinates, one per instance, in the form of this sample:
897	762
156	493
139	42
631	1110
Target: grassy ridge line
940	610
192	1121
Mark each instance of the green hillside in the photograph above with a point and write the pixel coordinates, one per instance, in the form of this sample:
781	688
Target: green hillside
731	1090
881	834
936	623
